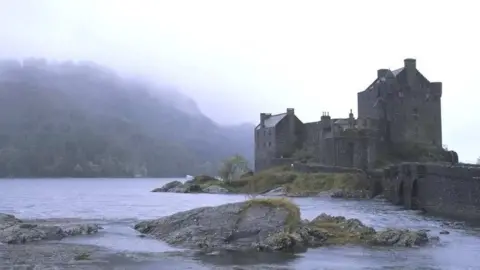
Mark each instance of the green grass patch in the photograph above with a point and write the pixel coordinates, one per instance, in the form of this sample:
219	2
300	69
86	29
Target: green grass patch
318	182
82	257
342	231
301	183
293	218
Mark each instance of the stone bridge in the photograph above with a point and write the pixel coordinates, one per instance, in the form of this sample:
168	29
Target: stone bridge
436	188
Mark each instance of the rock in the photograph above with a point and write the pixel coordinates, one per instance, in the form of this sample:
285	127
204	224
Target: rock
193	188
444	232
340	230
8	221
454	224
235	226
201	179
356	194
269	224
279	191
214	189
168	186
15	231
186	188
400	237
179	189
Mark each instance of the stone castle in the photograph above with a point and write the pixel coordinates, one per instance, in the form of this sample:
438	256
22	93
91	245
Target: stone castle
399	108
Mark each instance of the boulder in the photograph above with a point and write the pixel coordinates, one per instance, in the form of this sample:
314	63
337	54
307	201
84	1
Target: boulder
234	226
214	189
168	186
278	191
399	237
202	179
16	231
271	224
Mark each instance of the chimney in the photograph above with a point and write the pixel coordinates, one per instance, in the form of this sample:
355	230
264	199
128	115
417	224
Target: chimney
263	117
290	111
410	64
382	73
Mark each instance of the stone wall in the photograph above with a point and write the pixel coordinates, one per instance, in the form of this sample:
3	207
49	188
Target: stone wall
437	188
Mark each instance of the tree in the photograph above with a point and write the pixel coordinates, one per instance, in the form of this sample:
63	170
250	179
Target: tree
233	167
478	161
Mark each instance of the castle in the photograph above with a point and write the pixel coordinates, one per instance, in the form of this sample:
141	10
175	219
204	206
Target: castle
398	108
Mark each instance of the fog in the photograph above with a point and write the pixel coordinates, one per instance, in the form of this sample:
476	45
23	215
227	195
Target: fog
239	58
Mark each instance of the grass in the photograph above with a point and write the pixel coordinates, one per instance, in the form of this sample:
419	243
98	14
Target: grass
293	218
204	181
301	183
318	182
82	257
295	183
340	231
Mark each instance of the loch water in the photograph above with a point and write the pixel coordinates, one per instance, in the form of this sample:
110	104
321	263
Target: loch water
117	204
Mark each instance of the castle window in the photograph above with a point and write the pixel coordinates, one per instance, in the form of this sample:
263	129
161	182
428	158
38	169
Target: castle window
269	144
269	131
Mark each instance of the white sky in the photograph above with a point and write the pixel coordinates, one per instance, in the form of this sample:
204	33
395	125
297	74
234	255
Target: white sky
240	58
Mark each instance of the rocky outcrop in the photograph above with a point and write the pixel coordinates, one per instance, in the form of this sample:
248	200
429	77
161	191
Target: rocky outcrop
16	231
200	184
267	225
168	186
215	190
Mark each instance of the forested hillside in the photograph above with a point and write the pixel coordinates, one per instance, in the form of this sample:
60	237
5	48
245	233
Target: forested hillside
82	120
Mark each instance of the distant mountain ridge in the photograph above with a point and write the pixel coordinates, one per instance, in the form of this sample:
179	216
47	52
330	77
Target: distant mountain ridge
82	119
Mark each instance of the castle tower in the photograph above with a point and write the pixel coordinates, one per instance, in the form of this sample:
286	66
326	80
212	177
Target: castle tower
351	119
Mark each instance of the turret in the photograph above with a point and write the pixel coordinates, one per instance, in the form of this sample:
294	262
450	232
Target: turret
351	119
436	89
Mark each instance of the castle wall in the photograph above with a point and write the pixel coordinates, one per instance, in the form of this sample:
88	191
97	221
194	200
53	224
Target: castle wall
264	148
440	189
312	139
289	136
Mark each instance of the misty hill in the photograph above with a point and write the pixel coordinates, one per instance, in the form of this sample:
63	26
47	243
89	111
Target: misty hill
80	119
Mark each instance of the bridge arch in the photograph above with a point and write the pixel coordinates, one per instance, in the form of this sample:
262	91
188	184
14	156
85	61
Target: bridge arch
414	195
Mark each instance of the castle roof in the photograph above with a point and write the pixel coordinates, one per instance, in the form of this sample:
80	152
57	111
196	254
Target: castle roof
273	120
397	71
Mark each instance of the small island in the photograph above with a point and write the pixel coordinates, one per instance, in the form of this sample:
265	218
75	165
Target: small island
278	181
269	224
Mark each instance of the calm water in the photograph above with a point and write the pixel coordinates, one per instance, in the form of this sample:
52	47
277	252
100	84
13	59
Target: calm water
119	203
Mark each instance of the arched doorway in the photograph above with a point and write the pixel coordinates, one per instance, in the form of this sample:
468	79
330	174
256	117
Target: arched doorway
414	194
401	194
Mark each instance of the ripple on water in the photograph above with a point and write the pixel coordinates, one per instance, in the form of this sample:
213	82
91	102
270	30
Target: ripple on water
119	203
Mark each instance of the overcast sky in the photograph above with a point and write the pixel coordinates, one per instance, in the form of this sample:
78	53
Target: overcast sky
240	58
